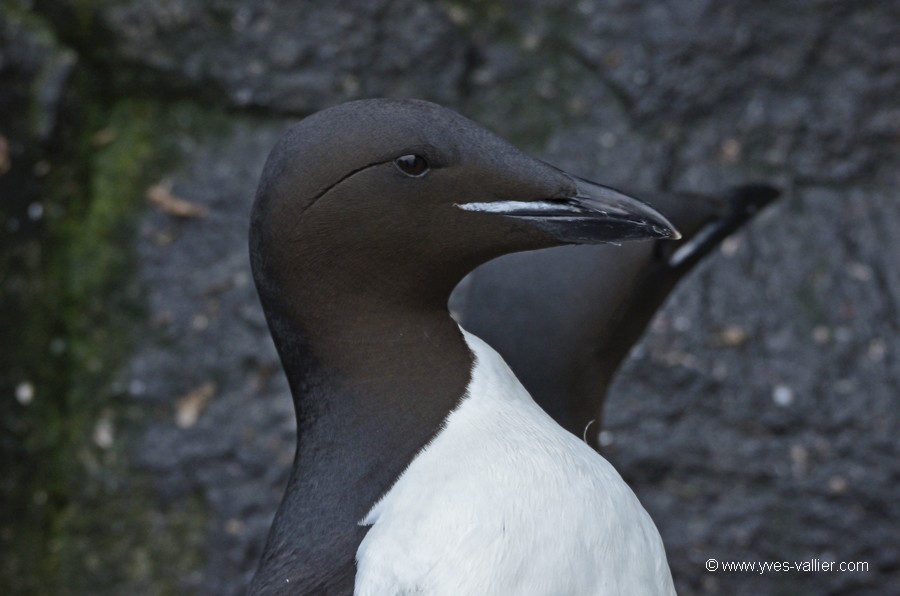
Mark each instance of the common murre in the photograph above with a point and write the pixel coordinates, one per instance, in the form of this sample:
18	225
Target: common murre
565	318
422	465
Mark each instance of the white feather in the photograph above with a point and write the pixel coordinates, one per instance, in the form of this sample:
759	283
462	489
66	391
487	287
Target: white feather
505	501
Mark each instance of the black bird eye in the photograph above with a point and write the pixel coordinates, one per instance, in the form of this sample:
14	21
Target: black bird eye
412	165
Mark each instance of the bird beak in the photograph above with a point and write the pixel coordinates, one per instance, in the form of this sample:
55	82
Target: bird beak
594	214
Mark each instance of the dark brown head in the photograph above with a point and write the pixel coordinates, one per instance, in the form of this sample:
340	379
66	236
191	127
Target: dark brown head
399	199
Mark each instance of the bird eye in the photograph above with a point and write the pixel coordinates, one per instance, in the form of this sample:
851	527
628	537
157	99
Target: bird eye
412	165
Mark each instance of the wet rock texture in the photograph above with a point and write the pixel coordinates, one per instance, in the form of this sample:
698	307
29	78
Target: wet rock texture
296	56
757	420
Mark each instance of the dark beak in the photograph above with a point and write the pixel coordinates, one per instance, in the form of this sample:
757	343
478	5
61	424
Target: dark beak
594	214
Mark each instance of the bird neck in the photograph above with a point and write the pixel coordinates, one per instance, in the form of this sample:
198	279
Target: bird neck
373	379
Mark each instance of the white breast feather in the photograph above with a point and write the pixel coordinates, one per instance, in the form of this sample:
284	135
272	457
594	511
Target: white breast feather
506	502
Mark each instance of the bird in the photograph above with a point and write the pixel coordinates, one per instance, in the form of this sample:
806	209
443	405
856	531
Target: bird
423	466
565	318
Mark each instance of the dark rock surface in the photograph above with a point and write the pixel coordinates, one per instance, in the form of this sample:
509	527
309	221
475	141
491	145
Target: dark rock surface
296	56
758	418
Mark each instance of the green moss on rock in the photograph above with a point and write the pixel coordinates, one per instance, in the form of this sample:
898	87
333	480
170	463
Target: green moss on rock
80	520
